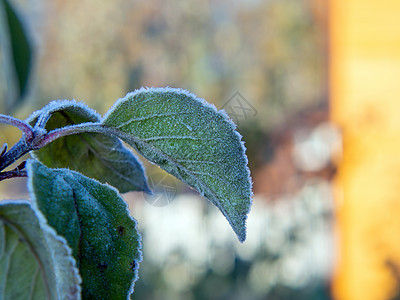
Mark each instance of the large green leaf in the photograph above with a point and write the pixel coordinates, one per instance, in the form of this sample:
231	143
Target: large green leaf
96	223
35	263
95	155
19	51
193	141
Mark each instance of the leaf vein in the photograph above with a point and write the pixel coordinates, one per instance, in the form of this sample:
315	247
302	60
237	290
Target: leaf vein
196	178
212	176
7	269
195	161
148	117
156	138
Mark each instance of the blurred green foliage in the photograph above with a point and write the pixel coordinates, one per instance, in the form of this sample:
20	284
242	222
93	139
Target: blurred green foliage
16	52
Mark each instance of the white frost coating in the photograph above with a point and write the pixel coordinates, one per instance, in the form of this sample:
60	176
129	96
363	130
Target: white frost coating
49	233
137	266
55	255
151	117
58	105
30	188
159	90
133	170
178	91
239	136
43	219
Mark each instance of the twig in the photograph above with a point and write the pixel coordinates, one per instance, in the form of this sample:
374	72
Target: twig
24	127
16	151
70	130
17	172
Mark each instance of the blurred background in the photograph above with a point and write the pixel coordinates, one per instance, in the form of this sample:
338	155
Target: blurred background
311	85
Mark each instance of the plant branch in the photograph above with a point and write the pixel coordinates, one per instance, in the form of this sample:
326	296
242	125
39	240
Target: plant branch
24	127
16	152
40	138
69	130
12	174
17	172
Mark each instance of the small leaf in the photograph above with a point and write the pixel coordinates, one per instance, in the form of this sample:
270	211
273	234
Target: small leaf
95	155
193	141
20	50
96	223
35	263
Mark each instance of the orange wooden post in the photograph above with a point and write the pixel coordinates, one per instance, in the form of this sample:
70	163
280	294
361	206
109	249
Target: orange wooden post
365	102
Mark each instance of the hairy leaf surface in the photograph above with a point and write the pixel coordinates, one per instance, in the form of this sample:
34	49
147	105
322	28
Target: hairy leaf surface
95	155
96	223
35	263
193	141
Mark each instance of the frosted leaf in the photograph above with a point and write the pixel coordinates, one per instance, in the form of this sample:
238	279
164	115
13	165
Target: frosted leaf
95	155
96	224
35	263
190	139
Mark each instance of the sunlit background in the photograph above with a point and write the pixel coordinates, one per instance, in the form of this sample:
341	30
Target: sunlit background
313	88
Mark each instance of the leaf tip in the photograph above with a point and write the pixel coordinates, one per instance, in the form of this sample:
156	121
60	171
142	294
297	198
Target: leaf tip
239	227
242	234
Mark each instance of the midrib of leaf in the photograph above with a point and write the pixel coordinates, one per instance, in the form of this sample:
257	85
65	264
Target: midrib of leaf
177	164
140	141
78	213
32	249
80	227
170	127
